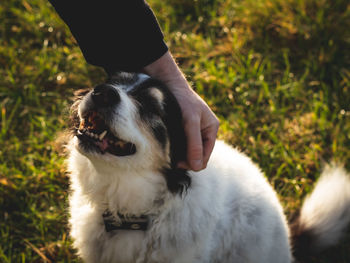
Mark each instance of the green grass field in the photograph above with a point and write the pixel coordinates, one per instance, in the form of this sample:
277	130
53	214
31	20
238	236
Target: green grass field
276	72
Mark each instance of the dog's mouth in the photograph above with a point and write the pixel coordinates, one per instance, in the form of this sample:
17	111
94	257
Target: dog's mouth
94	132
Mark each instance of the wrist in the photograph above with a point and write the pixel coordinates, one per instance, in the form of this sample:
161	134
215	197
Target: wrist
166	70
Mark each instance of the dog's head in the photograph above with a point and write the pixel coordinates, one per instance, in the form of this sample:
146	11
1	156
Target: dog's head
132	121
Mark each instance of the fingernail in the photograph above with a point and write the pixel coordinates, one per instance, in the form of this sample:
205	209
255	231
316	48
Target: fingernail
196	164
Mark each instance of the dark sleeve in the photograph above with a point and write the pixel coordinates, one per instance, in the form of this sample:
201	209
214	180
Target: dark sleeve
114	34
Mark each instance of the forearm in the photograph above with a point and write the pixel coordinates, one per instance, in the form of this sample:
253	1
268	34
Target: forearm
116	35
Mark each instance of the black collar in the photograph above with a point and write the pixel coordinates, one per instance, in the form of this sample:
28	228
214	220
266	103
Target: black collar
124	223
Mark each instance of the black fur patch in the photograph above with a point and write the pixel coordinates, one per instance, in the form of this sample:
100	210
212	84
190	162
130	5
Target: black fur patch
303	241
170	114
177	180
159	132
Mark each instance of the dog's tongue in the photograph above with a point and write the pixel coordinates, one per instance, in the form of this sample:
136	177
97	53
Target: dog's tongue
102	144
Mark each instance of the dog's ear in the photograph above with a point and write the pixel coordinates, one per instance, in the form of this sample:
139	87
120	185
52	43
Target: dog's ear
177	179
174	123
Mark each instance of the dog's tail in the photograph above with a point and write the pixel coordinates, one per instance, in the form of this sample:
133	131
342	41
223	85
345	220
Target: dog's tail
324	215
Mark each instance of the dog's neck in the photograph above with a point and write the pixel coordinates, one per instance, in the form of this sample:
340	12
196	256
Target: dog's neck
125	191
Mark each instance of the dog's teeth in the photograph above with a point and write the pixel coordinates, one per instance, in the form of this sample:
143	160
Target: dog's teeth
102	135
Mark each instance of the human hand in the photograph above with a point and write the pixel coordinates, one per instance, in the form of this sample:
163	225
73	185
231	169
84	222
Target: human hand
201	127
200	123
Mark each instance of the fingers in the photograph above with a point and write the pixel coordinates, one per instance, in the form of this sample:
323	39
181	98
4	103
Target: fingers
200	142
209	138
194	143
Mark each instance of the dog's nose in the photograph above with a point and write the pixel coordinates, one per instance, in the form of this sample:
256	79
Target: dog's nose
105	95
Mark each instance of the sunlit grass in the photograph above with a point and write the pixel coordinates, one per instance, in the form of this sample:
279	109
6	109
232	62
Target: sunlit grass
277	73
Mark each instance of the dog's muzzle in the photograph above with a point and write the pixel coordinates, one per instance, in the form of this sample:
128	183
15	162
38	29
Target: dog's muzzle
93	130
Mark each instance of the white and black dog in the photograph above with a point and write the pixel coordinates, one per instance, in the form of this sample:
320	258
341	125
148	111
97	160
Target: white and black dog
130	203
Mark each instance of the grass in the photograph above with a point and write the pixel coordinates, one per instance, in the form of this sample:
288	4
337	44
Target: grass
277	73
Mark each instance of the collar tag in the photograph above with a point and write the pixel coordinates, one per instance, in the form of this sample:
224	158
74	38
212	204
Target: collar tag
125	223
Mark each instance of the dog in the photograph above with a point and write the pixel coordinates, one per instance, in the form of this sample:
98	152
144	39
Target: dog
129	202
